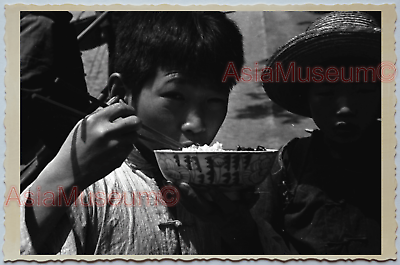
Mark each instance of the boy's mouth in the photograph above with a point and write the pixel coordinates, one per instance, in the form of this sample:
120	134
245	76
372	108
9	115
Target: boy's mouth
187	143
344	129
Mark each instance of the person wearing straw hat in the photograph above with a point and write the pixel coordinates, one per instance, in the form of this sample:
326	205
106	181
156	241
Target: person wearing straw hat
324	192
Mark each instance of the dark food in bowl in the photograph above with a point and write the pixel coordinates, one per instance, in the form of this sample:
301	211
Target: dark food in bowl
258	148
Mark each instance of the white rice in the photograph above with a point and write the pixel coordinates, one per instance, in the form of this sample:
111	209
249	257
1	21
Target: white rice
217	146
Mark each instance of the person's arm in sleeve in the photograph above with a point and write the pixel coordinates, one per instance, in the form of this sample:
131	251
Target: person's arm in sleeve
268	211
36	52
96	146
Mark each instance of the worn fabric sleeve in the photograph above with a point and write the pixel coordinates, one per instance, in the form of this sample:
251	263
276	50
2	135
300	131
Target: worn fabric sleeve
268	210
68	236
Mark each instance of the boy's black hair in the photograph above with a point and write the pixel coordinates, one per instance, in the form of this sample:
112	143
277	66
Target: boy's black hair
200	44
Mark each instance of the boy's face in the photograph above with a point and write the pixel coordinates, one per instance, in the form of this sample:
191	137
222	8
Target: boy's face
344	111
183	109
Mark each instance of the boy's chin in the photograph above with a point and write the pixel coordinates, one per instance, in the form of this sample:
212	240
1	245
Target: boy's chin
344	139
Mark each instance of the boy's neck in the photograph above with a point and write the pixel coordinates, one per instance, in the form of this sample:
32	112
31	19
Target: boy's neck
339	150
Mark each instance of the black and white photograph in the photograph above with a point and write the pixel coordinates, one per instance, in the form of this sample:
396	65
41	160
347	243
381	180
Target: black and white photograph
222	134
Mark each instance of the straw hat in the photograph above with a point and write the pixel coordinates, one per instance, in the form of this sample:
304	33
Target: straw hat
335	35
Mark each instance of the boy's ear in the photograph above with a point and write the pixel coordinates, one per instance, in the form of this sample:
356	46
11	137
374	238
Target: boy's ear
116	86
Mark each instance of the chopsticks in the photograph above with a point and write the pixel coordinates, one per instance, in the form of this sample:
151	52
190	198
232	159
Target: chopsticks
55	103
159	137
165	139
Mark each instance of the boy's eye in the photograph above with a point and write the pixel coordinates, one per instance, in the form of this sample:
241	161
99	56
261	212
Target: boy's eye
326	90
174	95
325	93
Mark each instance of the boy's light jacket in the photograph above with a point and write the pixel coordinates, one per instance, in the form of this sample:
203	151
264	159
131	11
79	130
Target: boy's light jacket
106	227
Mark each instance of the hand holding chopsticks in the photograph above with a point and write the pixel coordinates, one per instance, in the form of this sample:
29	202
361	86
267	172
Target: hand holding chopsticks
156	136
98	144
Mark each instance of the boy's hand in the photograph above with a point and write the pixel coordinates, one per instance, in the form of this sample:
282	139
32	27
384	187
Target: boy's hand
99	143
232	217
214	205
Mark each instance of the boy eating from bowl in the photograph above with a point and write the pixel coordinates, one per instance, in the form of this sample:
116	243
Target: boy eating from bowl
324	194
170	67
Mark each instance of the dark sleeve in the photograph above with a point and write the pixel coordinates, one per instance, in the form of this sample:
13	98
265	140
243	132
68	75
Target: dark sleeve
49	51
268	211
37	72
36	52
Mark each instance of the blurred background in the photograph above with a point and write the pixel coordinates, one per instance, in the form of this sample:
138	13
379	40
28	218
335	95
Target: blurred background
253	119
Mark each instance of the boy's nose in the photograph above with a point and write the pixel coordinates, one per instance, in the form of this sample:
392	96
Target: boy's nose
194	123
344	111
345	107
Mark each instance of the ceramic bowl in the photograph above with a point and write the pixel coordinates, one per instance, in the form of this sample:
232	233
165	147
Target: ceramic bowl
225	169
